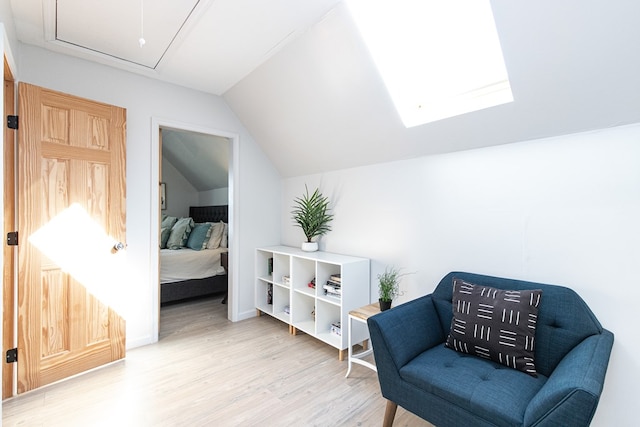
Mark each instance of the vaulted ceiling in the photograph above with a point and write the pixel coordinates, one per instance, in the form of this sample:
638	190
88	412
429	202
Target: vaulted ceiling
299	77
202	159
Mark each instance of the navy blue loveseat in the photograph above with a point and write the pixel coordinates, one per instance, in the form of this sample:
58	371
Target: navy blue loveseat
448	388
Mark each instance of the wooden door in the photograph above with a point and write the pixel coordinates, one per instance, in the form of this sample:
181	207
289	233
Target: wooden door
71	213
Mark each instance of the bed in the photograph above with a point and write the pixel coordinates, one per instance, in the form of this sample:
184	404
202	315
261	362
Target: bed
186	273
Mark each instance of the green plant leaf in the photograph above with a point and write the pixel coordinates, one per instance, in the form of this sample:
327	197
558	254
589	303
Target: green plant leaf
311	213
389	283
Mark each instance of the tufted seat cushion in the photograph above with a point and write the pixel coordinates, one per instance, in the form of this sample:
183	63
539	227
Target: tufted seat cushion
476	385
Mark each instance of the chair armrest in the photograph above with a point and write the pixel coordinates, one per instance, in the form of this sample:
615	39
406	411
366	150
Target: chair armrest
400	334
570	395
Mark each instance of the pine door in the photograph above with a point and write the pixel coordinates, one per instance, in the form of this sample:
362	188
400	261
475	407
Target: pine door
71	215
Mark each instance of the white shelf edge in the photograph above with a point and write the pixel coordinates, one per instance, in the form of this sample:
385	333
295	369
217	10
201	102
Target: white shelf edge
306	326
303	291
267	309
331	339
281	315
334	301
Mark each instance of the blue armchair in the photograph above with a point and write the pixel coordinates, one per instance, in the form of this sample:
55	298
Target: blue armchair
448	388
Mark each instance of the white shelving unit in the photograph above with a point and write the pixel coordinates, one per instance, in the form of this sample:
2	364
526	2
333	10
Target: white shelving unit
310	310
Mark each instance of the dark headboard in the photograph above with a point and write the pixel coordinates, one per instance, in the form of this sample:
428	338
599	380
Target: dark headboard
209	213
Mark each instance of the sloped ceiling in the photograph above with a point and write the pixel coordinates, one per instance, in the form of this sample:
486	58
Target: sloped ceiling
208	45
299	77
573	66
202	159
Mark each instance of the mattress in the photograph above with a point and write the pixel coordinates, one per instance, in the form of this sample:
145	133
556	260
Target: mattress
184	264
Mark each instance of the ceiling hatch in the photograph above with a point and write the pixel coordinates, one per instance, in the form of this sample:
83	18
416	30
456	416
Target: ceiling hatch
114	28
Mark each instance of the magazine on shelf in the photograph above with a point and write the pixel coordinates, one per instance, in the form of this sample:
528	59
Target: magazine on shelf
336	329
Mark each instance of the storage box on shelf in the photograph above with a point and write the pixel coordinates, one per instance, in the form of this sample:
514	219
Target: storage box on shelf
311	291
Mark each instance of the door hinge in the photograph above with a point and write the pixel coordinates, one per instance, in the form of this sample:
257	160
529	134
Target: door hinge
12	238
12	122
12	355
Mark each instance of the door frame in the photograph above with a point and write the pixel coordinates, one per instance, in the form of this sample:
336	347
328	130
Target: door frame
234	156
9	65
8	332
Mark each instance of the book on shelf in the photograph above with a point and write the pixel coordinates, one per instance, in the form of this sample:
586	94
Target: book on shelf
270	266
336	329
337	278
332	289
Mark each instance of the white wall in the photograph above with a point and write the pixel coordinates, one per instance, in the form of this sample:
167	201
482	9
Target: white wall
179	192
563	210
258	186
218	196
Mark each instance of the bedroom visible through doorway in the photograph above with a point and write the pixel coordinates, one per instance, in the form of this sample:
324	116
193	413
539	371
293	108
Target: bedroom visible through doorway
194	172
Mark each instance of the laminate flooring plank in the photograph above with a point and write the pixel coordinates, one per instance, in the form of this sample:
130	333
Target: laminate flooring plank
208	371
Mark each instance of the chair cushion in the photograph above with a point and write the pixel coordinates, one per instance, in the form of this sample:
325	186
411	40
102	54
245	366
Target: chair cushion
485	388
496	324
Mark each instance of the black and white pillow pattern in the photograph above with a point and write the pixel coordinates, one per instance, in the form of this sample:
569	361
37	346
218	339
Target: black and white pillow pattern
495	324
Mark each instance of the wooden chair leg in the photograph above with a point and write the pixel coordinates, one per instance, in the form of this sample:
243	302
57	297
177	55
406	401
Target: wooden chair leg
389	414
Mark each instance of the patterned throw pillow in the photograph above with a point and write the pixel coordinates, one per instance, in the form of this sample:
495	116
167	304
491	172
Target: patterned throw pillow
495	324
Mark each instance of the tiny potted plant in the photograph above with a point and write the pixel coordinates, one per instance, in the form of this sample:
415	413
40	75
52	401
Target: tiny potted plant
388	287
311	213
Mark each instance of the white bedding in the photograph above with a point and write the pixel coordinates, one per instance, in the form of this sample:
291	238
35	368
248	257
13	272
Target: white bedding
184	264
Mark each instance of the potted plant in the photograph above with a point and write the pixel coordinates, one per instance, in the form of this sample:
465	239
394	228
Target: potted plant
311	213
388	287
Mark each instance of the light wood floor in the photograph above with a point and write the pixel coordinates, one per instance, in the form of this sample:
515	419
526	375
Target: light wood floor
208	371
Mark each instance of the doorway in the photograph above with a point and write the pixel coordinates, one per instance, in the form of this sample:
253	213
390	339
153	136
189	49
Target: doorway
156	159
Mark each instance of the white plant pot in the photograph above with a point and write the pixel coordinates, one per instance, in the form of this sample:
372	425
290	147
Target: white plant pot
309	246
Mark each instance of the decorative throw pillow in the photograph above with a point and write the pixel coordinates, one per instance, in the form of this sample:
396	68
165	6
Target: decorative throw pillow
217	229
224	242
495	324
180	233
168	221
199	236
165	232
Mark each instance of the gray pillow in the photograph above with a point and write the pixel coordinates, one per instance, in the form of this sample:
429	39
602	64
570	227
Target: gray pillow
495	324
165	232
168	221
180	233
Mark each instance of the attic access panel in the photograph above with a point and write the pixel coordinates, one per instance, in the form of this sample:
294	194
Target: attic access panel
113	27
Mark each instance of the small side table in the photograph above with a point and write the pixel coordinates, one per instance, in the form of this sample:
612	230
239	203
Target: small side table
361	315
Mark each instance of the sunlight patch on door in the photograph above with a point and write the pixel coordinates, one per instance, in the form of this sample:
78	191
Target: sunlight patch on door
80	247
438	59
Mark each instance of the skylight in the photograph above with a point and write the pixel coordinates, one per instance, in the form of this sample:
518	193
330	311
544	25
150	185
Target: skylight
438	58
